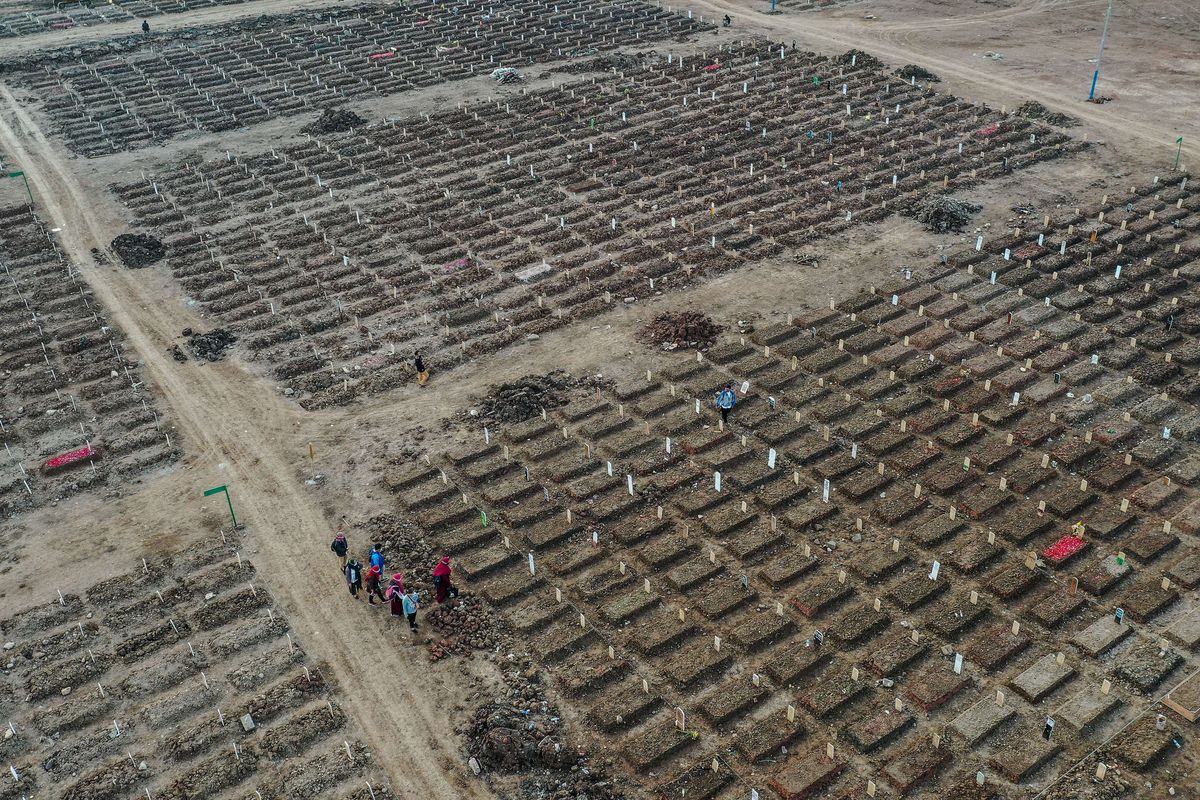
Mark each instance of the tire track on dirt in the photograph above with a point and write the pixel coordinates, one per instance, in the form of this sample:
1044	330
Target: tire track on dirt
222	413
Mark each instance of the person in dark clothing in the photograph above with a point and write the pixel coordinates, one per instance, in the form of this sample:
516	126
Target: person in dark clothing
340	546
374	575
443	587
146	26
422	371
354	577
727	21
395	594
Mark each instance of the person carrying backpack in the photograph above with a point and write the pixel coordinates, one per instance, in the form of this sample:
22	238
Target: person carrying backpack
354	577
340	546
726	400
377	559
395	594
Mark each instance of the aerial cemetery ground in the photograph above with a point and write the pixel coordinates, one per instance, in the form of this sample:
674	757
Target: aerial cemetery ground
945	545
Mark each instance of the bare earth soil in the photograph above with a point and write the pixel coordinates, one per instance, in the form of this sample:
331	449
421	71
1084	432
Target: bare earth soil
239	430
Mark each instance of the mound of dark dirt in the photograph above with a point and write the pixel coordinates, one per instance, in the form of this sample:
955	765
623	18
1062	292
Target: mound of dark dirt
920	73
209	346
1032	109
519	732
941	213
334	120
526	397
138	250
859	58
672	329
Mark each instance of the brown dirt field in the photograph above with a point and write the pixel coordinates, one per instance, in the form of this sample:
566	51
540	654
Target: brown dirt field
240	431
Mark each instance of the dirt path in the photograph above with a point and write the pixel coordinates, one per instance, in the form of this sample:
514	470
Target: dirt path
234	429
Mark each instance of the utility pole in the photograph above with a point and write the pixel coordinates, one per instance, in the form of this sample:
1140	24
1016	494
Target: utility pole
1100	56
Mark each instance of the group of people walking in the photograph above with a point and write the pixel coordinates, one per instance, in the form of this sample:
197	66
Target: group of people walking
402	601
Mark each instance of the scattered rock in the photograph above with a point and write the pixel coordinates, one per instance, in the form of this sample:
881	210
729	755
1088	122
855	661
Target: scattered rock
248	723
138	250
334	120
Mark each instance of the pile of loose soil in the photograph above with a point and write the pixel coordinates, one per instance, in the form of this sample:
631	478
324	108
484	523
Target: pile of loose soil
209	346
941	213
462	627
138	250
526	397
860	59
520	732
918	72
672	329
334	120
1032	109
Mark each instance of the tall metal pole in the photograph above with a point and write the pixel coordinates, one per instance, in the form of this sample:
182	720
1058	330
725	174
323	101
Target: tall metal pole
1103	38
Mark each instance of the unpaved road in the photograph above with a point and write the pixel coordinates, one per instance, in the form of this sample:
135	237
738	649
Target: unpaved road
236	422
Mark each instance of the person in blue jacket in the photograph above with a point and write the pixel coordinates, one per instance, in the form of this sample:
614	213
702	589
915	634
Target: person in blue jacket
726	400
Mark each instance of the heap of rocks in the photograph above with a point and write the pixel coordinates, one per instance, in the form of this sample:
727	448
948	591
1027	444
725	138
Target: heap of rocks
672	329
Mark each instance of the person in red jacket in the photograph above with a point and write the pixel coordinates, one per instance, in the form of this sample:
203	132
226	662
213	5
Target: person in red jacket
374	574
395	594
443	588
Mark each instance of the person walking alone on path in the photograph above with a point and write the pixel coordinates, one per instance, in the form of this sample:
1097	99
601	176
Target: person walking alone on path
340	546
412	602
374	575
726	400
354	577
443	588
146	27
422	371
377	559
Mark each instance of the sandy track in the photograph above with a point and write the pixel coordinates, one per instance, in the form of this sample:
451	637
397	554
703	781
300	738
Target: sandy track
227	416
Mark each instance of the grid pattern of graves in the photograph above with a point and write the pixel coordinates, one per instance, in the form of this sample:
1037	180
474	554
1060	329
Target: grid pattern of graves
464	232
74	411
713	597
245	73
177	680
64	16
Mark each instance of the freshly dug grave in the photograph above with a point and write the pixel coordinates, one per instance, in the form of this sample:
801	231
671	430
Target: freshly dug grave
209	346
918	72
519	732
334	120
941	213
859	59
1032	109
525	397
138	250
672	329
